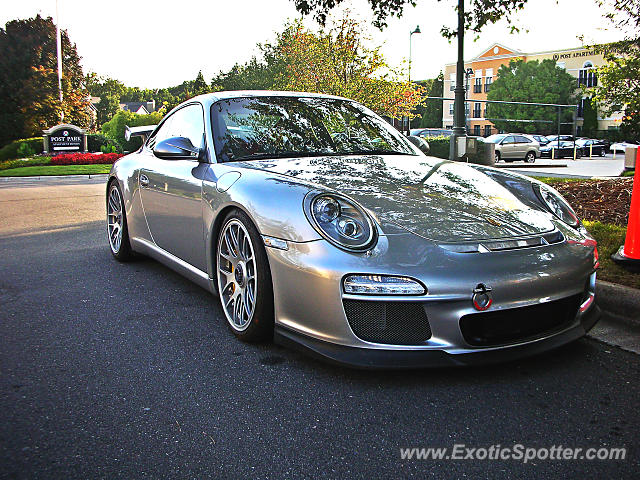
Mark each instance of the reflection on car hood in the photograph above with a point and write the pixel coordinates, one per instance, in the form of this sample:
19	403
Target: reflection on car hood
439	200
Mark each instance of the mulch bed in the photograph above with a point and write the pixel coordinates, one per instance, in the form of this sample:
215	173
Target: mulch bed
606	201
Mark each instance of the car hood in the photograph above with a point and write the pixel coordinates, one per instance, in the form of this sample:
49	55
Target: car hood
439	200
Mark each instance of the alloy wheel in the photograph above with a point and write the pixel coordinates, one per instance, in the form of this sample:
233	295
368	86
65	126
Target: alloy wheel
237	279
115	220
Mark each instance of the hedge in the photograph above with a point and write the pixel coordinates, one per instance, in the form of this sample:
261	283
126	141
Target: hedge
439	147
85	158
96	142
10	151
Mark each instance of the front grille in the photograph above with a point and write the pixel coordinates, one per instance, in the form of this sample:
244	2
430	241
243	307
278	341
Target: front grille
500	327
398	323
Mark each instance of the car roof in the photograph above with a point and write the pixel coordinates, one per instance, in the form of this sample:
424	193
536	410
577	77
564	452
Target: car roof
224	95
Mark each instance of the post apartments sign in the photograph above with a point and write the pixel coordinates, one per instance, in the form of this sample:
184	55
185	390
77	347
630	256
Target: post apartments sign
65	138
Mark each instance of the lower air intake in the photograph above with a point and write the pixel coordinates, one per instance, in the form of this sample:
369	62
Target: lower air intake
397	323
501	327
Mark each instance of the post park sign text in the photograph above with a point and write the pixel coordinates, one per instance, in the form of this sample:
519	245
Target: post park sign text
65	138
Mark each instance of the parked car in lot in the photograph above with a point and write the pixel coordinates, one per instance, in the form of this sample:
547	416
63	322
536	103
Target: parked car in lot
319	225
563	138
432	132
541	139
621	147
515	146
591	147
561	150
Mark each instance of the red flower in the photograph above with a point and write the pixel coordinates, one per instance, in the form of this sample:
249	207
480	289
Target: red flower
85	159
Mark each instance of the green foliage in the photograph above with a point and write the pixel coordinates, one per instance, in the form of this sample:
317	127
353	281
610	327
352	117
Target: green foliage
11	151
482	13
35	161
97	142
439	147
115	127
590	116
430	111
33	171
25	150
539	82
29	97
253	75
109	90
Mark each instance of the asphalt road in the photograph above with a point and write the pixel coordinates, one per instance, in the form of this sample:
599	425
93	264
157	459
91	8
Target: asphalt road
112	370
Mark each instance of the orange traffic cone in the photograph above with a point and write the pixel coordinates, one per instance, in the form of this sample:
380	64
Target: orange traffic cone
629	254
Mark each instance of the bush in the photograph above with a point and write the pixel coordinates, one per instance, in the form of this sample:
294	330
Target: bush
96	142
24	150
10	151
31	162
115	127
439	147
85	159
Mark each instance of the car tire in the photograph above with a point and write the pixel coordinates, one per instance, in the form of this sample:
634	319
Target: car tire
117	230
497	156
244	279
531	157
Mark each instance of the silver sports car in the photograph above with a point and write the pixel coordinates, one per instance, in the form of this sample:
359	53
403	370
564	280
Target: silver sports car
319	225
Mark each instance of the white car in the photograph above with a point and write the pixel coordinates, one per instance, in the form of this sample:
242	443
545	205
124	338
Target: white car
621	147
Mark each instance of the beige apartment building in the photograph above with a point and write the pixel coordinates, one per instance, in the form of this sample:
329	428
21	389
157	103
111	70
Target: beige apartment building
580	62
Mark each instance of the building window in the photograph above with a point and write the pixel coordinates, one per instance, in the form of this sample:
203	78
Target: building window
476	110
466	109
476	130
487	84
452	81
587	75
477	87
451	109
487	130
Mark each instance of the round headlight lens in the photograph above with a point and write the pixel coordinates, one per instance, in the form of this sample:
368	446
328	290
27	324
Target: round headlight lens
326	209
556	205
341	221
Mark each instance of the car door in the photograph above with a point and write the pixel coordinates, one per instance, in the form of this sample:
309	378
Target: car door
508	147
521	146
171	190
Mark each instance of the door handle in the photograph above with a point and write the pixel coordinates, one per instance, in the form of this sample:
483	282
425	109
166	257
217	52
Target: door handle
144	180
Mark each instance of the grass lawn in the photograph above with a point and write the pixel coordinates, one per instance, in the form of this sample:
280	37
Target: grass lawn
55	170
609	238
629	173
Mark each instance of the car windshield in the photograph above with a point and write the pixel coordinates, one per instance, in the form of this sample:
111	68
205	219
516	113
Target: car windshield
272	127
495	138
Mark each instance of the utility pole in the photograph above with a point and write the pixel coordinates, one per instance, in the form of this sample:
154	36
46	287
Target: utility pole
59	52
459	116
417	30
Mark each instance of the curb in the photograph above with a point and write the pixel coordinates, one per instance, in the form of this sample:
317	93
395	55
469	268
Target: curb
530	165
619	301
53	177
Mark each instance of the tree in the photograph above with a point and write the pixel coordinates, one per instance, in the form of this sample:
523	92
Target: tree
430	111
590	116
27	64
537	82
200	87
115	127
619	79
253	75
482	12
110	92
336	61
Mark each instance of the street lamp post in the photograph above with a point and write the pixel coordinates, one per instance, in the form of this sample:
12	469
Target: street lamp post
459	117
467	73
417	30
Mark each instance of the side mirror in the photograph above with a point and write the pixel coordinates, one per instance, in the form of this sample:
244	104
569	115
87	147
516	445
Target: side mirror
177	148
420	142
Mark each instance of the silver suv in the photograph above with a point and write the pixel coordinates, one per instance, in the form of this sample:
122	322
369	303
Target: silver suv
515	146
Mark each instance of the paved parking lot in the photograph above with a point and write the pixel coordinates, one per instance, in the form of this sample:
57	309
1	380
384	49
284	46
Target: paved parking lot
112	370
584	167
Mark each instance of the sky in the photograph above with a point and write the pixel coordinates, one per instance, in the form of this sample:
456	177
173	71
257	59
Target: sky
152	44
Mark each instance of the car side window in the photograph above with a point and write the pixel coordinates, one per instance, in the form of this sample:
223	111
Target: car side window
187	122
521	139
509	140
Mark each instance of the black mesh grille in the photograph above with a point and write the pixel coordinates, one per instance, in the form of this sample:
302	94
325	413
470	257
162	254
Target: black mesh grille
399	323
517	324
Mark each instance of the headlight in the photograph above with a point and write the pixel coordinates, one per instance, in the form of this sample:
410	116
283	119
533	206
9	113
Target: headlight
382	285
340	220
556	205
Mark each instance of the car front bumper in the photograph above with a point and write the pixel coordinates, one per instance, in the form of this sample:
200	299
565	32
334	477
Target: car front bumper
310	302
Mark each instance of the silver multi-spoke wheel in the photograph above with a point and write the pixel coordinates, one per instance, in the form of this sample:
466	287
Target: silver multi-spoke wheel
237	279
115	219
